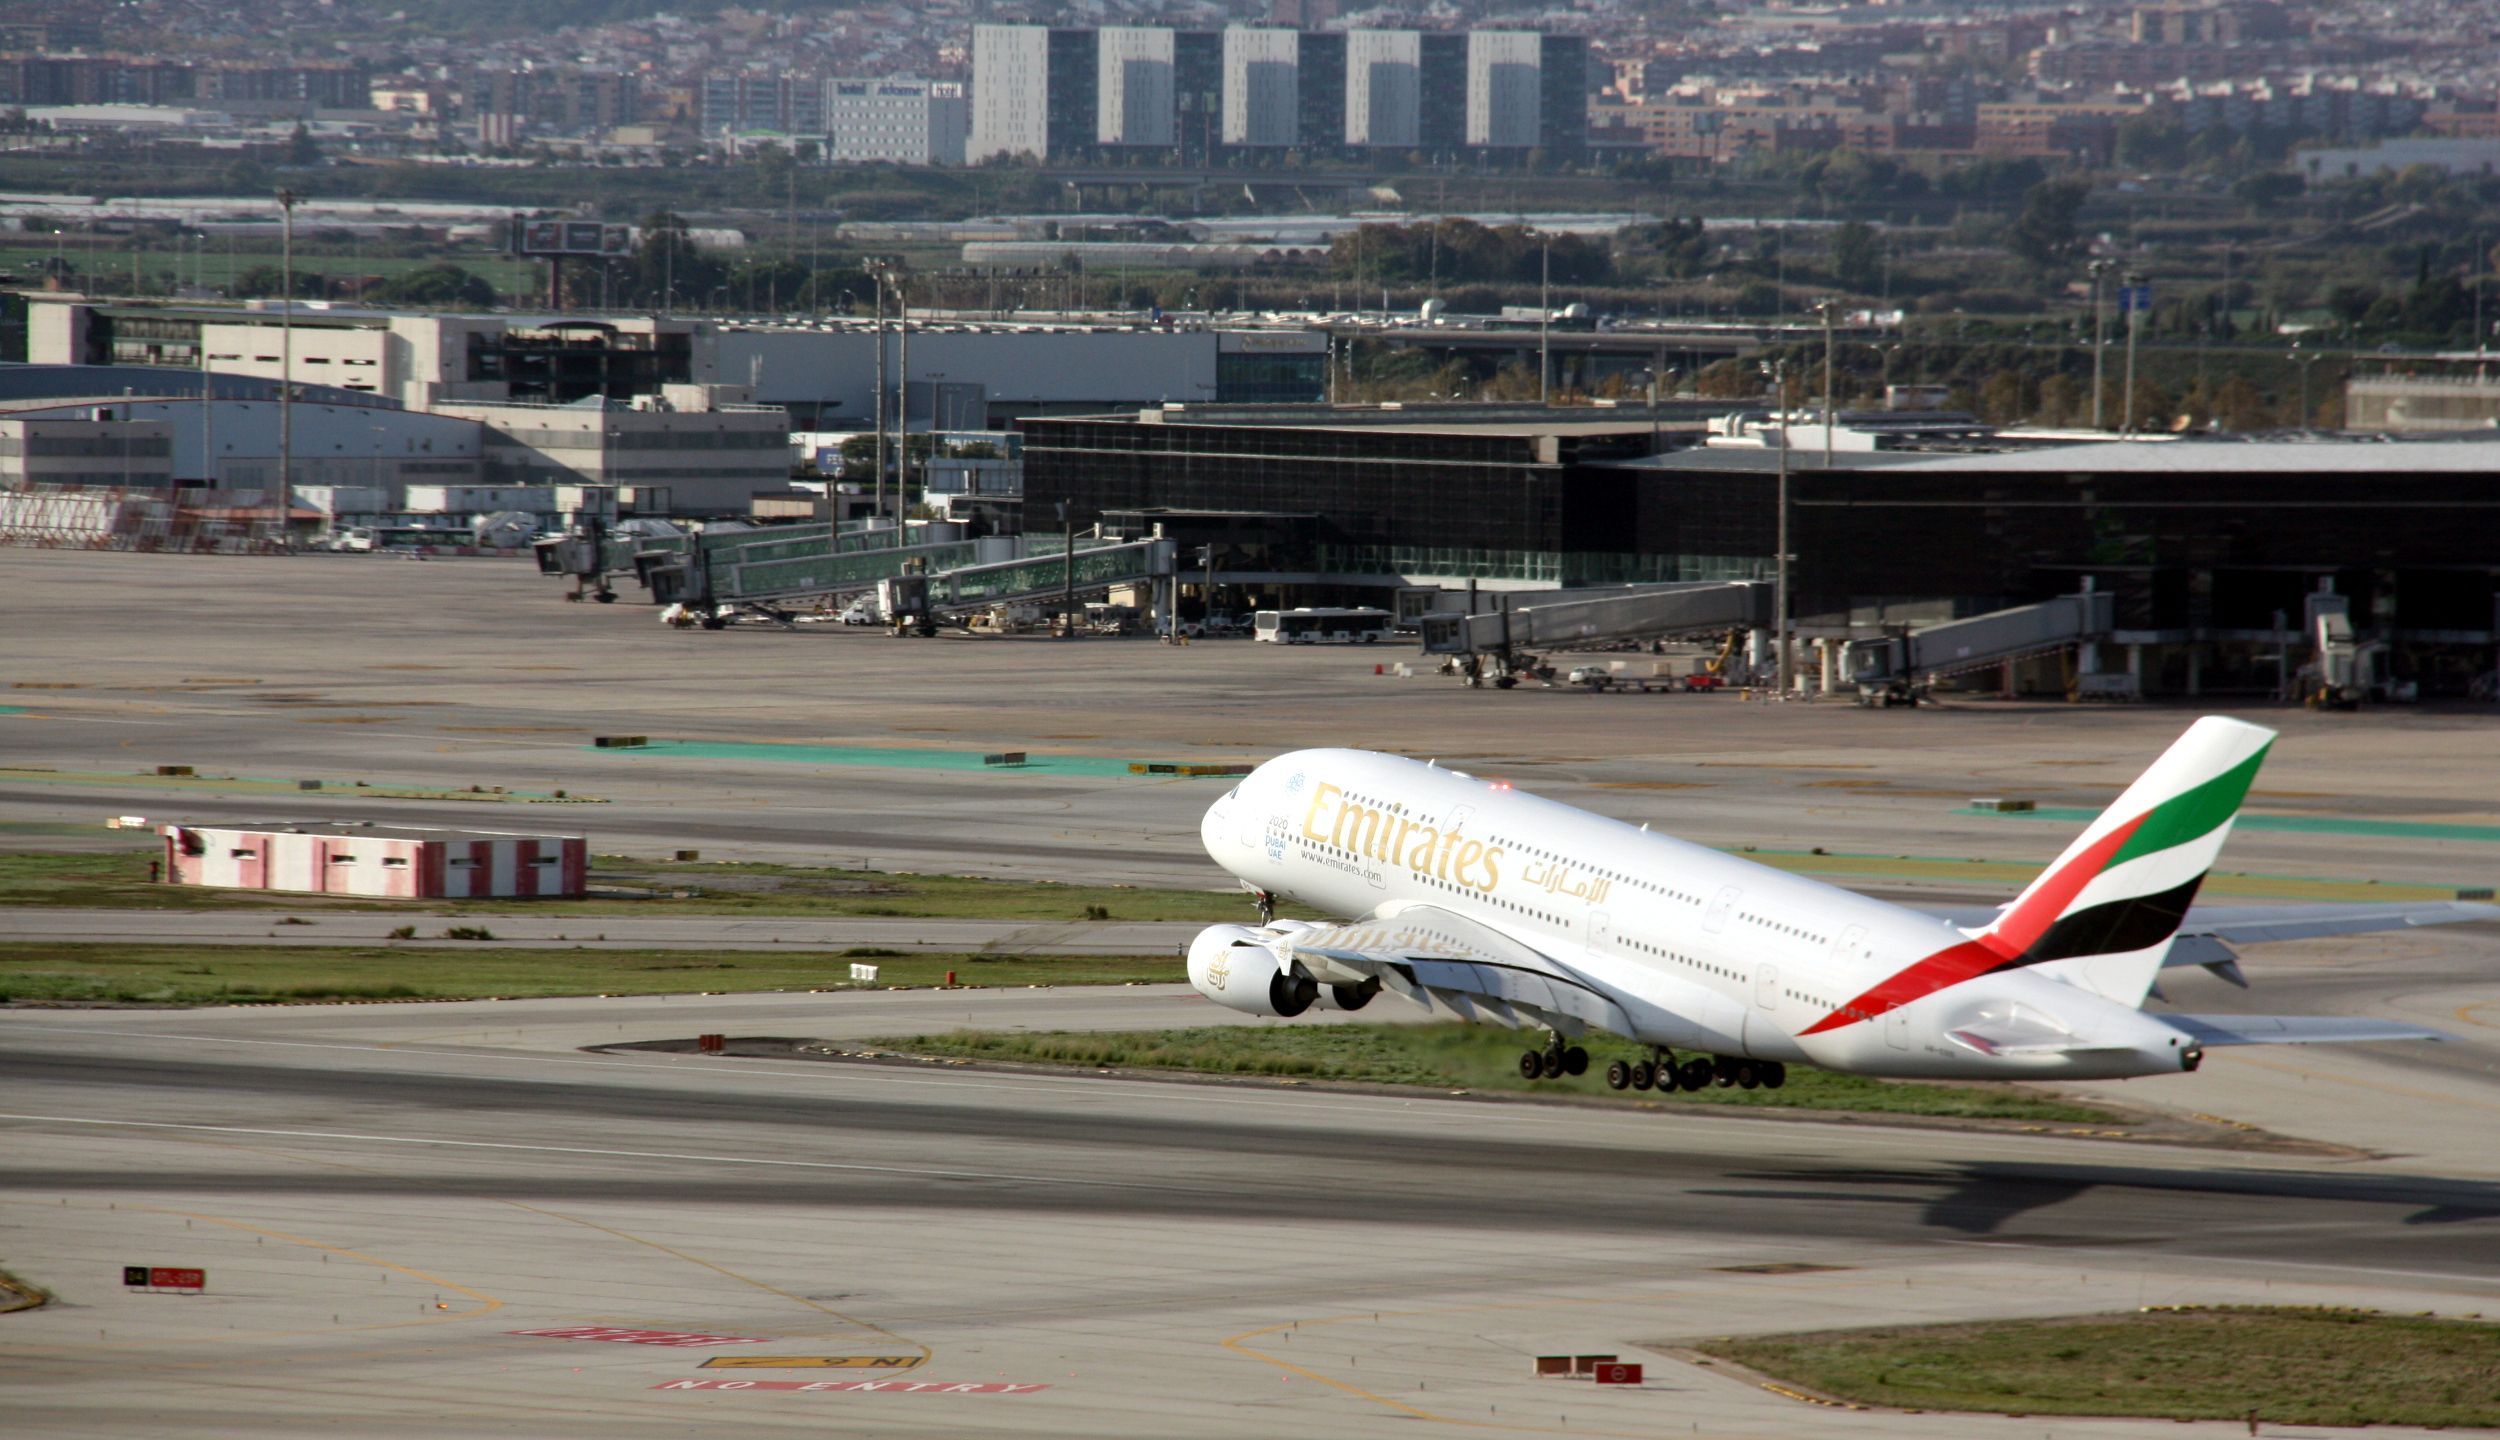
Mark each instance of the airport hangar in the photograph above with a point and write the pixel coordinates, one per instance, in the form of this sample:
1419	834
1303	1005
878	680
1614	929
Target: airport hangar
2201	542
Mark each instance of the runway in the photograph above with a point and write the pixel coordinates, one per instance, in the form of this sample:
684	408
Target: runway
383	1195
319	925
1166	1258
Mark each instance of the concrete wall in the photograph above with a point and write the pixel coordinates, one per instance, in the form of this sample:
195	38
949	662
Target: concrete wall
1109	368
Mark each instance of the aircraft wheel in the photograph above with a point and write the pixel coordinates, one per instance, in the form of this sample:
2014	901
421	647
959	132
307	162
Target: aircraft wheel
1746	1076
1695	1074
1668	1077
1723	1072
1774	1075
1531	1065
1575	1061
1552	1064
1642	1075
1618	1076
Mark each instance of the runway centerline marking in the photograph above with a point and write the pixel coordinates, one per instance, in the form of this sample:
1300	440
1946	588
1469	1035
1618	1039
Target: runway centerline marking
926	1173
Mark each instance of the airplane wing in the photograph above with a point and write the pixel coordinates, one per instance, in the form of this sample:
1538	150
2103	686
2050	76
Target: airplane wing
1428	954
2212	1030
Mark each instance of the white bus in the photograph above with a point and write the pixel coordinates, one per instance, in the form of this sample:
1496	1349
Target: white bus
1312	625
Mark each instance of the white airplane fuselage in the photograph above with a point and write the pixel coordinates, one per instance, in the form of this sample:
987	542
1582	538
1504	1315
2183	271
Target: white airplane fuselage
1705	952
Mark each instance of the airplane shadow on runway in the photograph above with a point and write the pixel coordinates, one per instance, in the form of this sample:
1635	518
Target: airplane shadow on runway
1983	1198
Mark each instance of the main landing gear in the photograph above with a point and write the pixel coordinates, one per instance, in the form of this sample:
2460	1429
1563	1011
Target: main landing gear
1698	1072
1553	1062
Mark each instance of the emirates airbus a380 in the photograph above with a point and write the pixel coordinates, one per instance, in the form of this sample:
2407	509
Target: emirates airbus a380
1466	895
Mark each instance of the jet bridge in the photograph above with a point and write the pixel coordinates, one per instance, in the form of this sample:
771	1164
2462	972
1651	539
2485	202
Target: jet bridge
1575	617
1891	669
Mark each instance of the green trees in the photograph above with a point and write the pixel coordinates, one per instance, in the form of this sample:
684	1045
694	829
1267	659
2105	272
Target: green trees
1464	252
436	287
2045	233
1857	256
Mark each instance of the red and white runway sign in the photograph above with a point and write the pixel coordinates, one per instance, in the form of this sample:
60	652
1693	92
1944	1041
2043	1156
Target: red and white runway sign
900	1387
640	1337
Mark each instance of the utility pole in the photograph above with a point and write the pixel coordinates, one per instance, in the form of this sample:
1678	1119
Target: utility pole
876	273
1831	417
2100	338
1067	575
902	399
2132	301
1545	321
1779	572
1657	369
286	350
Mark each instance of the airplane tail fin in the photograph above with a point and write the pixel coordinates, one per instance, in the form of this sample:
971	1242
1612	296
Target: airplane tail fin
2102	916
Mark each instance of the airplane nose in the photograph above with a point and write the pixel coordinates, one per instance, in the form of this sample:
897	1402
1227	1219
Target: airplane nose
1213	824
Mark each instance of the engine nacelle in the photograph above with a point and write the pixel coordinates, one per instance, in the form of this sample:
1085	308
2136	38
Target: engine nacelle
1348	997
1232	966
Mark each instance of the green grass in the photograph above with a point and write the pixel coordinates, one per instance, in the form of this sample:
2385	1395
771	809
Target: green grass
1459	1056
119	879
244	974
2288	1366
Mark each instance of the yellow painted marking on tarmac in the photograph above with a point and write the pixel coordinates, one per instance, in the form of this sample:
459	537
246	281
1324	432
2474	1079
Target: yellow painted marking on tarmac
487	1304
770	1289
2342	1079
2466	1014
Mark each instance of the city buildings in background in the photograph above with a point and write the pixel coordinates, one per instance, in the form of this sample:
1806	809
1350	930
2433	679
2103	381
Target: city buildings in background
1121	93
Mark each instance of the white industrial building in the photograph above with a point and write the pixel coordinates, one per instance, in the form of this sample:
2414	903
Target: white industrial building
968	378
695	449
235	444
85	445
414	360
898	122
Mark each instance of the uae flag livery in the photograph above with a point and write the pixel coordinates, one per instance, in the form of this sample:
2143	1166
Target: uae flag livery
2102	916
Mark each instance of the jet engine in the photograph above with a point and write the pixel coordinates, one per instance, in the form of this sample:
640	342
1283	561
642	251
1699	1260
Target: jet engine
1232	966
1348	997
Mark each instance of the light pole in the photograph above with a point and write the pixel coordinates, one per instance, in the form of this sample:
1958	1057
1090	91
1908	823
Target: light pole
2304	362
876	274
1544	320
1831	310
2132	301
1779	558
286	349
2100	335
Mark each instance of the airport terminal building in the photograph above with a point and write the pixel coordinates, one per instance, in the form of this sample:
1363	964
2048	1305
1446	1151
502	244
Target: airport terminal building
2202	543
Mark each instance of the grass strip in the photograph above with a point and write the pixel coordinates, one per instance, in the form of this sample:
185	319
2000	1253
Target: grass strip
2290	1366
119	879
1459	1056
243	974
